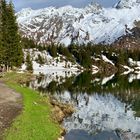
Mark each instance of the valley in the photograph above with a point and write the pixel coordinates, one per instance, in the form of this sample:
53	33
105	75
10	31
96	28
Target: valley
70	73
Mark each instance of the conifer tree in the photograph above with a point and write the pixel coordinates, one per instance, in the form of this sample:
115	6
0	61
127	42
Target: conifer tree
3	28
15	49
0	36
40	60
12	54
29	63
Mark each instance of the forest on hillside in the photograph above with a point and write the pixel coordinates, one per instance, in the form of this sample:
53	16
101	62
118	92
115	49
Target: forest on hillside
85	54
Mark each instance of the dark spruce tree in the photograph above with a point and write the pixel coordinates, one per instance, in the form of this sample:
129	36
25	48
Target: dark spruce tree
29	65
3	29
11	42
15	47
1	60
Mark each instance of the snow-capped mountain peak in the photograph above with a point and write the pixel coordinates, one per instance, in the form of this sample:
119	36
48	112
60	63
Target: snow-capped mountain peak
68	24
25	12
127	3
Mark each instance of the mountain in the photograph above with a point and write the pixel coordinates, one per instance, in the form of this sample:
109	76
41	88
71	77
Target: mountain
127	4
131	40
81	25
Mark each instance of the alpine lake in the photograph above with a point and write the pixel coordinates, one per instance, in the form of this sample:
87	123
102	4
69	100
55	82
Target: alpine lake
107	107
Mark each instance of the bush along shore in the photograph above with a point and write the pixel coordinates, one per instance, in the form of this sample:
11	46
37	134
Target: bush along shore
40	118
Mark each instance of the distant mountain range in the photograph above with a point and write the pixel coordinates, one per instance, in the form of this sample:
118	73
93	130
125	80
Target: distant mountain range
80	25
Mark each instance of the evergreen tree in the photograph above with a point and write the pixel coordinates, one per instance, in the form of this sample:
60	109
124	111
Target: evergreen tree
3	28
10	51
1	60
40	60
15	50
52	50
29	65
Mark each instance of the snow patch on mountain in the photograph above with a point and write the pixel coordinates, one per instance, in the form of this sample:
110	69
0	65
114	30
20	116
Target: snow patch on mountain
107	60
51	64
127	3
81	25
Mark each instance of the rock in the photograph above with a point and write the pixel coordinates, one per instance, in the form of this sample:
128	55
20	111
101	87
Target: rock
61	110
68	110
63	131
58	114
62	138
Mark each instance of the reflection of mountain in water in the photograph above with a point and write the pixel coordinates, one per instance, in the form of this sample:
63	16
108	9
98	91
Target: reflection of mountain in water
102	103
82	135
97	113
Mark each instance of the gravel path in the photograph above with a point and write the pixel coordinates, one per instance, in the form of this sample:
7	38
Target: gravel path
10	106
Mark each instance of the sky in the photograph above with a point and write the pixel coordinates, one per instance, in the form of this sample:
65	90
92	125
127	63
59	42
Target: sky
37	4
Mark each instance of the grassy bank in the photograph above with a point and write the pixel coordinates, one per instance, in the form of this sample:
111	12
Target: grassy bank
35	121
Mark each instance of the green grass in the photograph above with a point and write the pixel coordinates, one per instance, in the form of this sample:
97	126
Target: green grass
35	121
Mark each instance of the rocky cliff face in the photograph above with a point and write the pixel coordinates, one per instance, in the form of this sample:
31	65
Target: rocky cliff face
127	3
81	25
131	40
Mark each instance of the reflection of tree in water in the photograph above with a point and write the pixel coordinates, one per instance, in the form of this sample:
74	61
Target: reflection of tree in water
82	83
119	86
136	106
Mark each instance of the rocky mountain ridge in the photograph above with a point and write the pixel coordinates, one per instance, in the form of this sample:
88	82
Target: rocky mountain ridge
67	24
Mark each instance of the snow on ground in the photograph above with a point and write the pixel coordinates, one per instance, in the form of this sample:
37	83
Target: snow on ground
134	63
134	67
58	76
128	70
95	69
106	79
59	63
133	77
107	60
55	67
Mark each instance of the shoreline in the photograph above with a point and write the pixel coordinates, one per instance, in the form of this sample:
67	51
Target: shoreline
58	111
33	103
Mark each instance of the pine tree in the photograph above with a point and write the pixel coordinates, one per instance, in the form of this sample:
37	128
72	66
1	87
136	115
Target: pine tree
3	28
29	65
52	50
15	49
40	60
10	50
0	36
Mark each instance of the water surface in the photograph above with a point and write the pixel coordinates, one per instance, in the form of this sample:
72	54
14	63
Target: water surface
107	107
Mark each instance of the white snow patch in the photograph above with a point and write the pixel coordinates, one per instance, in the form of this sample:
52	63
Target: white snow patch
106	79
133	77
59	63
134	63
107	60
128	70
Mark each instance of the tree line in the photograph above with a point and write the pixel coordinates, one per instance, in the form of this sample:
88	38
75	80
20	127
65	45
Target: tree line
11	54
84	54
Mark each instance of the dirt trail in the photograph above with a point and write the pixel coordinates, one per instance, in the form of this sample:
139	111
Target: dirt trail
10	106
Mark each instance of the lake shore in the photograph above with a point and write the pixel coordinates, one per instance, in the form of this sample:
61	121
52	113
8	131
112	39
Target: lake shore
34	117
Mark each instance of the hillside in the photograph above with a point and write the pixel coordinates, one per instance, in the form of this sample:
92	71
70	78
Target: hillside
80	25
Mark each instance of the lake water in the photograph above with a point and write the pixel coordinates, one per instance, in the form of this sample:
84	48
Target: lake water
107	107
